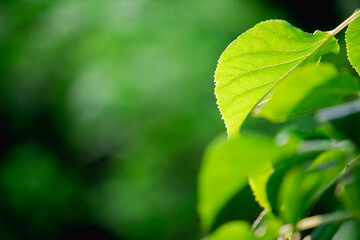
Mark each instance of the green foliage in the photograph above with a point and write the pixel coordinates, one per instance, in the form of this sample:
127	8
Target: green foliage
325	232
349	230
258	185
274	70
349	192
257	60
233	231
301	187
309	89
227	166
353	43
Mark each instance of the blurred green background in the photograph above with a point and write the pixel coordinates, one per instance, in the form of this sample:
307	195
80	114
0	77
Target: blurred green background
106	107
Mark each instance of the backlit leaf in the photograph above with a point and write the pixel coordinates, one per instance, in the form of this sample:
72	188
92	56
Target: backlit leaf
353	43
308	89
257	60
258	186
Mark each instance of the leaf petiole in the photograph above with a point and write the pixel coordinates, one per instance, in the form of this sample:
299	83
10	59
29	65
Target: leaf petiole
315	221
345	23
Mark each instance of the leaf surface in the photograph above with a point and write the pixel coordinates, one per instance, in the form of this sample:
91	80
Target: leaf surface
307	89
258	186
259	58
353	43
301	188
349	230
350	194
227	166
325	232
233	231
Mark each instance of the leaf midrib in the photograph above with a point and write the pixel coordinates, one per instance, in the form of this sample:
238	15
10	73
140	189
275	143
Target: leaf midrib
292	69
222	86
273	50
306	57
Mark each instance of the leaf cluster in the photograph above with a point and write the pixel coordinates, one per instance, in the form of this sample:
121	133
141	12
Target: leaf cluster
274	71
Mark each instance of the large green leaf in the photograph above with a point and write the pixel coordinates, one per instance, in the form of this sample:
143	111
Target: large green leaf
236	230
258	59
353	43
227	166
309	88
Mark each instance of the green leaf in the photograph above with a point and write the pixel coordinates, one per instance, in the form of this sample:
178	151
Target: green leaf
325	232
309	88
349	230
259	58
301	188
353	43
258	186
350	194
258	182
296	194
227	166
276	179
298	139
235	230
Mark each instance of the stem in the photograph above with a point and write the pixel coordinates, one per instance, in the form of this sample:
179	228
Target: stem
345	23
314	221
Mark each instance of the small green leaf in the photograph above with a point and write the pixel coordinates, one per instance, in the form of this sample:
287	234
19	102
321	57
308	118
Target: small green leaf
302	187
353	43
309	88
257	60
276	179
258	186
297	138
227	166
295	194
350	194
236	230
